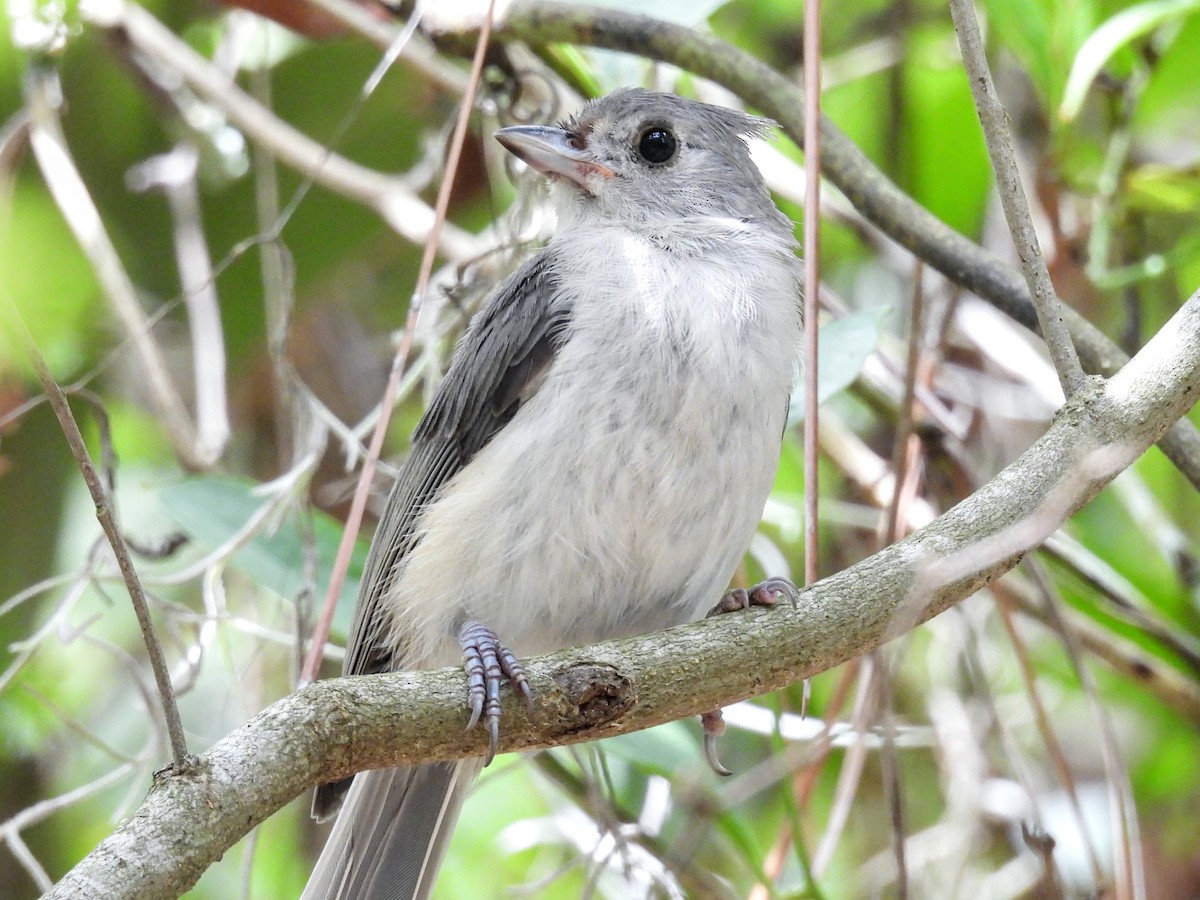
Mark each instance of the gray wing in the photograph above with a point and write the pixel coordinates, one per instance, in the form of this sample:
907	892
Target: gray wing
497	366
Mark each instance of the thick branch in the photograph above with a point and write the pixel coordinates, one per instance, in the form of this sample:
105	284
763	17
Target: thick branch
336	727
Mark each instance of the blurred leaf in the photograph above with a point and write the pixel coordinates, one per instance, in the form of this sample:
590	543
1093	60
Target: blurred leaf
1169	97
1121	30
845	345
658	750
1159	188
213	509
1045	35
50	282
944	162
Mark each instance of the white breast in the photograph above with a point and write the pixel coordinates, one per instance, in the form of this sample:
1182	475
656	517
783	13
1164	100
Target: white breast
622	495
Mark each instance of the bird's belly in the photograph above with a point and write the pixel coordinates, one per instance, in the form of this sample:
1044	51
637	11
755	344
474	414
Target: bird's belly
622	495
618	501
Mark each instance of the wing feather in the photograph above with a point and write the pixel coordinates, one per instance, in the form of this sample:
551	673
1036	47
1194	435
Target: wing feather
499	363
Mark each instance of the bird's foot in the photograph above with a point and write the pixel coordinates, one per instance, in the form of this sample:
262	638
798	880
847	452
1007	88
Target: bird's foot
488	662
765	593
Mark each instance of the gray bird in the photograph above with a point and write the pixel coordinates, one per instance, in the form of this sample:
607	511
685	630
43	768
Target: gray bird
597	458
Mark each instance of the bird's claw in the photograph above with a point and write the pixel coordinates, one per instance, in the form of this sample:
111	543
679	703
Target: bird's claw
765	593
487	663
713	724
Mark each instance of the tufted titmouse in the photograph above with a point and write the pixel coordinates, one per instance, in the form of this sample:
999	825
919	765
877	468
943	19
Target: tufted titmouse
598	456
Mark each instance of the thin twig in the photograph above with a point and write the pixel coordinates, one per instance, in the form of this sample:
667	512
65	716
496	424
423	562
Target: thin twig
38	812
1129	874
420	54
812	293
1012	197
174	173
104	513
850	774
812	277
1121	599
1050	740
893	784
1155	675
806	778
905	481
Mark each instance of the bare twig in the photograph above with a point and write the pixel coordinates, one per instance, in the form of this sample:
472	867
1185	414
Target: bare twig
805	780
905	450
852	767
1129	870
38	812
812	278
1012	197
388	195
890	766
420	55
174	173
1158	677
105	514
1049	738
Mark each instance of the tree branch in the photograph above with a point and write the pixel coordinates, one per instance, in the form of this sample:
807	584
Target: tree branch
994	120
336	727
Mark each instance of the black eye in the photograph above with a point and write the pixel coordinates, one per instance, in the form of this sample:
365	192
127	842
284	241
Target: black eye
657	145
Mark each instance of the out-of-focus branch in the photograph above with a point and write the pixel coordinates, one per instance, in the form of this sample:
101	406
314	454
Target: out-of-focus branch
42	98
174	173
388	195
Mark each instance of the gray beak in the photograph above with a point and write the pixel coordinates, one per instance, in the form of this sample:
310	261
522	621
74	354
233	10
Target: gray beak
549	151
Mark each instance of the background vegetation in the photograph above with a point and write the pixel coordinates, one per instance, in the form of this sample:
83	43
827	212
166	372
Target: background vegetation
1067	692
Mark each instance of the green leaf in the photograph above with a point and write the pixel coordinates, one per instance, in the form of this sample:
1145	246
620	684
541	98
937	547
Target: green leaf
843	348
1118	32
211	510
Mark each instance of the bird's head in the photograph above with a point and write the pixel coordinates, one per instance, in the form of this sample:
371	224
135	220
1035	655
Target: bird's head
637	156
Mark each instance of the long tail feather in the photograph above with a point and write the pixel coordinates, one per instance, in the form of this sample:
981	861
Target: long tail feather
390	837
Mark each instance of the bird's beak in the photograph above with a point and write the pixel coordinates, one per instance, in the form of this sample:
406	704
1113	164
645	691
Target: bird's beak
549	151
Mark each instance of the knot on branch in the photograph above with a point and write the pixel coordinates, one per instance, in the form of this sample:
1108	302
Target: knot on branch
596	693
190	765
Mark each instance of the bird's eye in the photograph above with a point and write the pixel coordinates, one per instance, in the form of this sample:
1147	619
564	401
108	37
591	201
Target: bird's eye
657	145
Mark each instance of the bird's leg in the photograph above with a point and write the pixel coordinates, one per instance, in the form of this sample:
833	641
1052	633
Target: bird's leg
487	662
765	593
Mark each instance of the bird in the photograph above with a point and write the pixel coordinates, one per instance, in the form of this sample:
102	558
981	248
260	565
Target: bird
597	458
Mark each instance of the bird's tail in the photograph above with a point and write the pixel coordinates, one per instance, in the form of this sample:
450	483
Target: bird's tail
390	837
